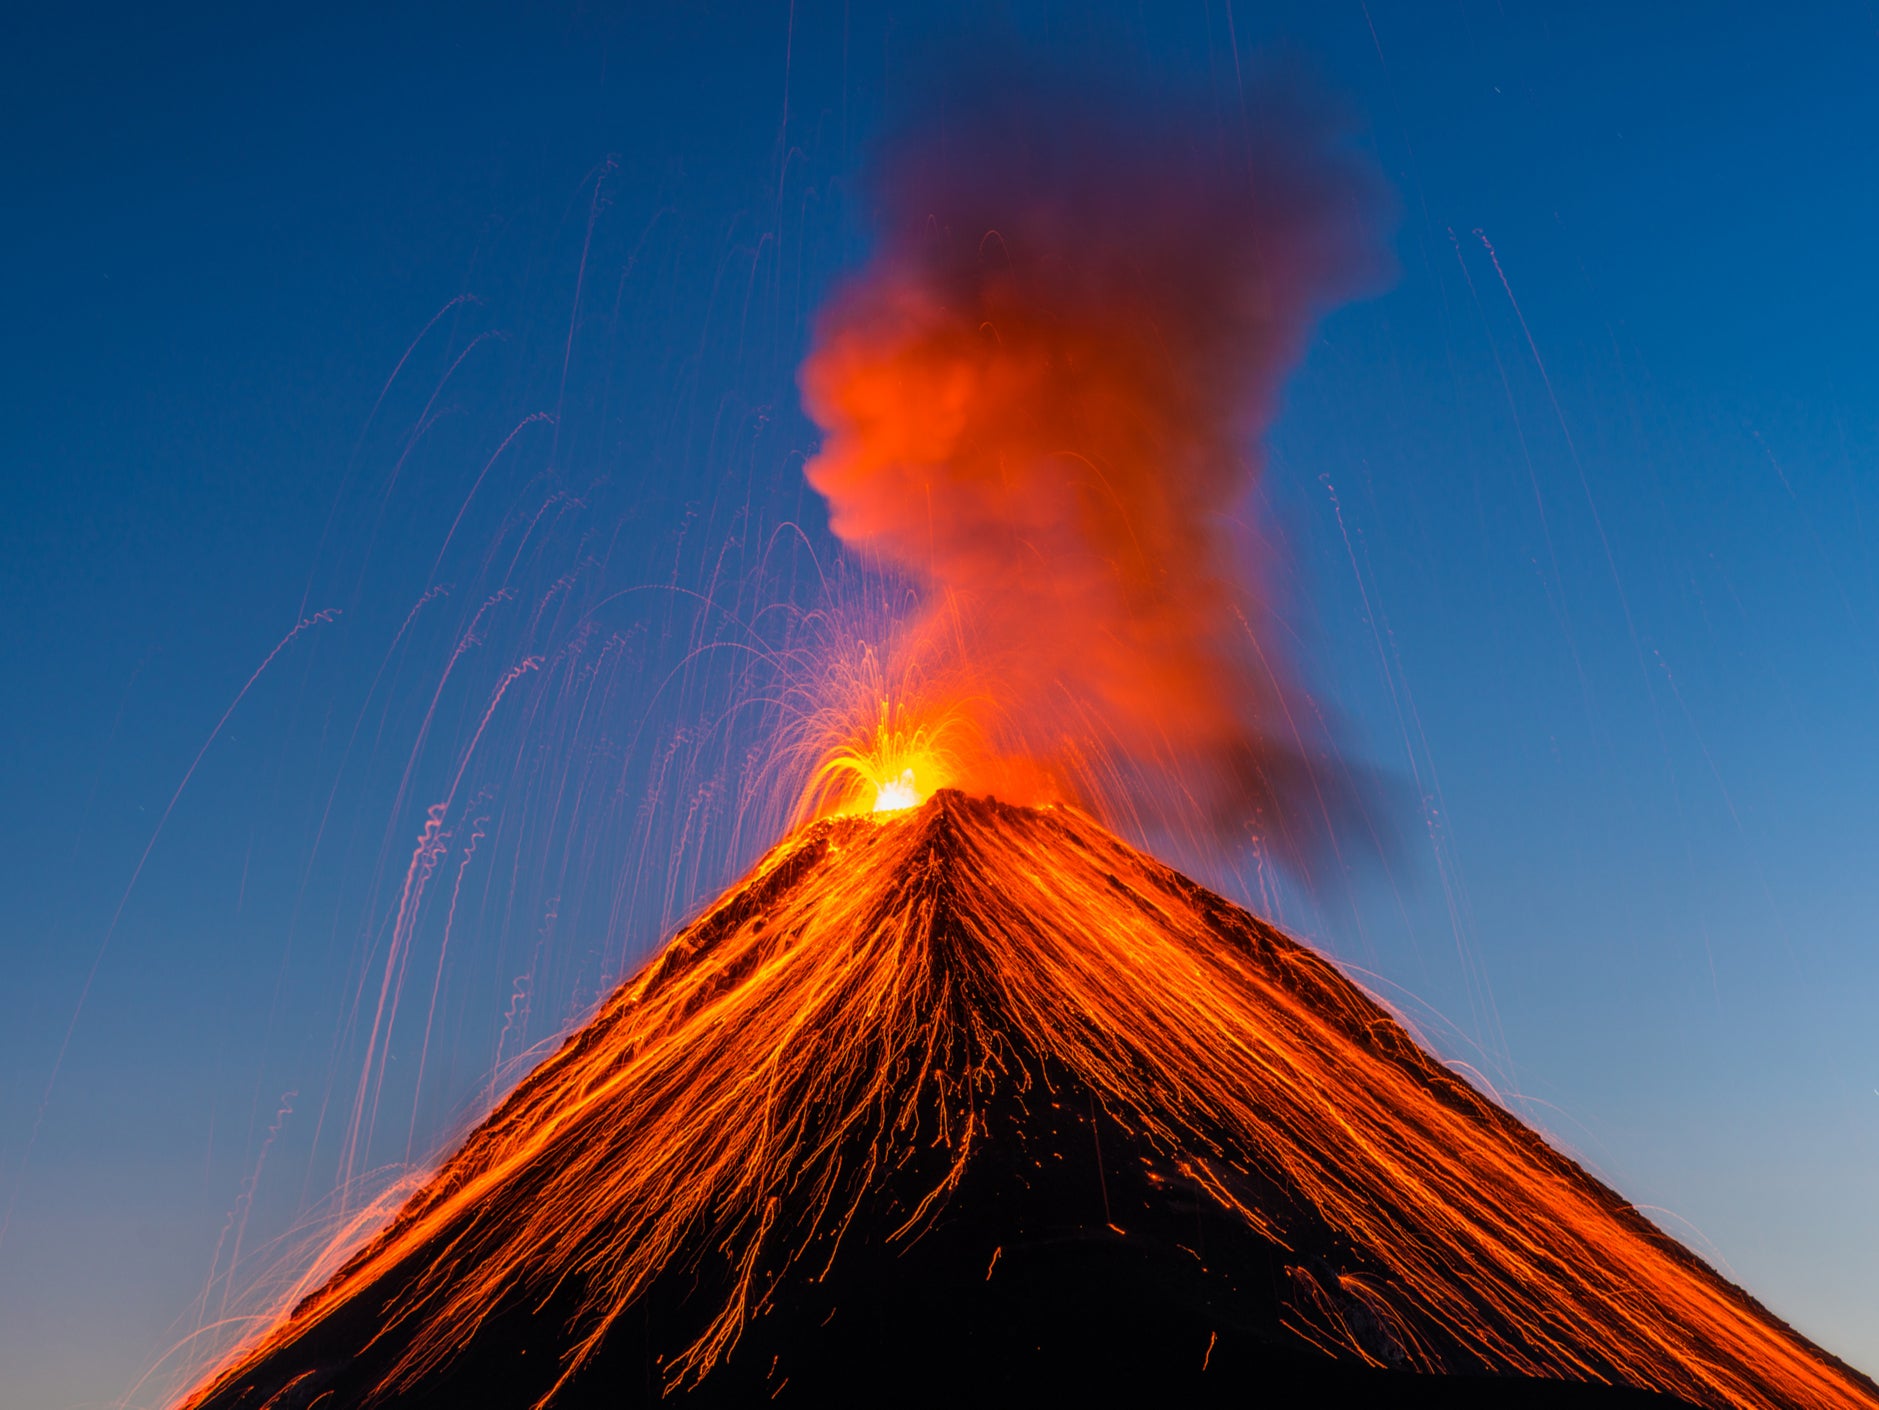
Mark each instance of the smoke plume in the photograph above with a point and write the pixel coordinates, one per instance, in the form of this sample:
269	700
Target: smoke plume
1042	402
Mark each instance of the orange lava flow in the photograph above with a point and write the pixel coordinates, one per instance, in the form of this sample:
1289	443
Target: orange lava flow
877	977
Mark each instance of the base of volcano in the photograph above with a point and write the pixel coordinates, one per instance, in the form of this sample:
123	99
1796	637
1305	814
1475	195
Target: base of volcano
1071	1262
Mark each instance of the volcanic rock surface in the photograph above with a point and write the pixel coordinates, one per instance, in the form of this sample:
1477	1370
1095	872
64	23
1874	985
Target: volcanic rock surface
976	1104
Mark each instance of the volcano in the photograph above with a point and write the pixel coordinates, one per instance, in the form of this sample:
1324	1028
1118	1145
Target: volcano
973	1103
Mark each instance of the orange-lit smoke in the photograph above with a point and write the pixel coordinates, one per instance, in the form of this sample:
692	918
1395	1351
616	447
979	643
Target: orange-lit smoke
1042	400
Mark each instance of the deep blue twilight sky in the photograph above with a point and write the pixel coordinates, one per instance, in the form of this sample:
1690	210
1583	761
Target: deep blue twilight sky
1587	561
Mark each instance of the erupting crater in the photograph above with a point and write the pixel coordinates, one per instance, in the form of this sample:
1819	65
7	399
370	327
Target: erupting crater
973	1103
897	794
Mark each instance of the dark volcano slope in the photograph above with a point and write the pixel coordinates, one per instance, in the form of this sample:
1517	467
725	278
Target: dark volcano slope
978	1103
1070	1263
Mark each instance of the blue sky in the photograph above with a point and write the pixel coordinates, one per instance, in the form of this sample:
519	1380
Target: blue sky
1580	546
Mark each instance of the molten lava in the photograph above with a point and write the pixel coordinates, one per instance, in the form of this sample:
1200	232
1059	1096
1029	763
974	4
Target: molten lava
920	1058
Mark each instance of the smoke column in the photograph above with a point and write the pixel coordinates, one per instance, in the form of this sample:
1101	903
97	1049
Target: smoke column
1041	402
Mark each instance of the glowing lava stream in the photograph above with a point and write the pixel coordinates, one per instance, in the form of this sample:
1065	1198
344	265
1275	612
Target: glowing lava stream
853	1011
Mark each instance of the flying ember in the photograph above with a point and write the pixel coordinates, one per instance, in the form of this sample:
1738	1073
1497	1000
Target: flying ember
894	764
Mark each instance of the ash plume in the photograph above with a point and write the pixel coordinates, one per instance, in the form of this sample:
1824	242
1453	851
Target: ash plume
1042	401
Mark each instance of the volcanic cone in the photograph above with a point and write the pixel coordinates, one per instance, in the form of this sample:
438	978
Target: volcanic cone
977	1104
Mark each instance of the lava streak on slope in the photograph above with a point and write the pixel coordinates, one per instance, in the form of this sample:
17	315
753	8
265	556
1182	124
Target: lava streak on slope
838	1084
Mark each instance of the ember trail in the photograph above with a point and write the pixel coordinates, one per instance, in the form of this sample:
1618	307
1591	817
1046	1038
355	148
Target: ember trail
883	1109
